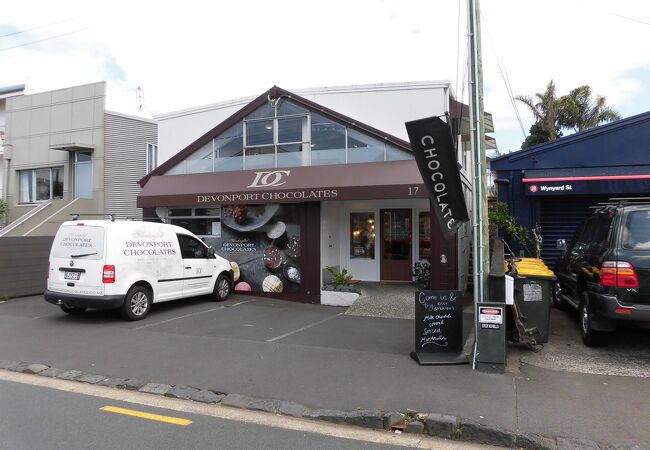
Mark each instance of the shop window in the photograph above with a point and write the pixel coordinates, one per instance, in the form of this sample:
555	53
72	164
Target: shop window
362	235
327	141
363	148
39	185
204	222
424	236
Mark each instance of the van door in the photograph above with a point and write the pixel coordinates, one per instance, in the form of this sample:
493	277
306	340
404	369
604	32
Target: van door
197	267
77	260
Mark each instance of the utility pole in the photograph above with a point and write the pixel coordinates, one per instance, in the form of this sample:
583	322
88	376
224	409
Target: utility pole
477	140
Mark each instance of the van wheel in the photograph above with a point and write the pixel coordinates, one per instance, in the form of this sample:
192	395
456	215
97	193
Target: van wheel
137	303
221	287
590	337
72	310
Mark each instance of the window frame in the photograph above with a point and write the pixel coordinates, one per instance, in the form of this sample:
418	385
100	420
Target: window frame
154	147
33	182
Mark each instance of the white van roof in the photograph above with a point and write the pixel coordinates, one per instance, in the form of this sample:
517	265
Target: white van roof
125	224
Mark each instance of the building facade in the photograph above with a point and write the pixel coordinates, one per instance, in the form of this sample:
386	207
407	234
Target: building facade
555	184
286	187
71	156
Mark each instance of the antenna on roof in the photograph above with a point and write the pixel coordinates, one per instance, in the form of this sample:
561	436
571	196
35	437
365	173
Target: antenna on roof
139	97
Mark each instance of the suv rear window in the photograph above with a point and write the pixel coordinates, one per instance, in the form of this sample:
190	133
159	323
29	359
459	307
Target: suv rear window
636	235
79	240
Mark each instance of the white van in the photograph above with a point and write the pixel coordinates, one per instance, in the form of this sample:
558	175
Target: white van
129	265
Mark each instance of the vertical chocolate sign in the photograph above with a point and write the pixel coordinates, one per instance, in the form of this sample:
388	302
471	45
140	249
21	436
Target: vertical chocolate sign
435	153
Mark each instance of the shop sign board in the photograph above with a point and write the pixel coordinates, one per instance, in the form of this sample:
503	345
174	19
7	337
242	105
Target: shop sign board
438	328
435	153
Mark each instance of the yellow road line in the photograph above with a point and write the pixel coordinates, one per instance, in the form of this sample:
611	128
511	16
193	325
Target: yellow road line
144	415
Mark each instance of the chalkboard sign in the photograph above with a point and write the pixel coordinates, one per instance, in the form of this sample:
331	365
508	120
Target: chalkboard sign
439	328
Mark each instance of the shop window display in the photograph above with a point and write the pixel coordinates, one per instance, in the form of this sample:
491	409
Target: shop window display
362	239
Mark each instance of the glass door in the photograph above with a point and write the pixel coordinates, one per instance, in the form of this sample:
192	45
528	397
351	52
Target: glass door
83	175
396	245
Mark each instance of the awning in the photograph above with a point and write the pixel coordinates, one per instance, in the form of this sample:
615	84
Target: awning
73	147
362	181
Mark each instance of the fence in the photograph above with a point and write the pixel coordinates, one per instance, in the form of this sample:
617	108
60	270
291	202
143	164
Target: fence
23	265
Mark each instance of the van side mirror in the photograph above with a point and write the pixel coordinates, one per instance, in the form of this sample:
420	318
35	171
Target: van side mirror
210	252
561	244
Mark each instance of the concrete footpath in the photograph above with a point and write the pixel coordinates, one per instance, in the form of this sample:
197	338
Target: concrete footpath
321	359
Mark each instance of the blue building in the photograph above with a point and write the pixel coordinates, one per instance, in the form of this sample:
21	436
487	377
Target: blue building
554	184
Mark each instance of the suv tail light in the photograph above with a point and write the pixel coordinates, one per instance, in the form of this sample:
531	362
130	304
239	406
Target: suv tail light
619	274
108	274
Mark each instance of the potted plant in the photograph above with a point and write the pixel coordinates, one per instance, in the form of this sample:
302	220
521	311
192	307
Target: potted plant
422	274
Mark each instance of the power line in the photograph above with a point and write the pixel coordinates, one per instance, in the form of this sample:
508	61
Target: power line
44	39
36	28
622	16
504	77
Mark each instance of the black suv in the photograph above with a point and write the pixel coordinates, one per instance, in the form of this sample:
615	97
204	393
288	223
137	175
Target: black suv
605	273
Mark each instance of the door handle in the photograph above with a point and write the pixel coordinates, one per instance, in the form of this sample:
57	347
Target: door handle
188	267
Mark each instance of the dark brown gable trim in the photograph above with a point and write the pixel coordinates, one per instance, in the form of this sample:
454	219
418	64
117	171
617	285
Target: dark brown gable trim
274	93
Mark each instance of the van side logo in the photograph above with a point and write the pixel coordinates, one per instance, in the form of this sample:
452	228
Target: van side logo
270	178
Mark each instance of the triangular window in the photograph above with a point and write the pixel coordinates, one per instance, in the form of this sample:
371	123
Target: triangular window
285	134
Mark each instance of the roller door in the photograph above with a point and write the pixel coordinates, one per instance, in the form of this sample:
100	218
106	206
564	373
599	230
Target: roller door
560	218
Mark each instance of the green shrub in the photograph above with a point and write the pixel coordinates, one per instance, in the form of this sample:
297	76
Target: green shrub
339	278
3	208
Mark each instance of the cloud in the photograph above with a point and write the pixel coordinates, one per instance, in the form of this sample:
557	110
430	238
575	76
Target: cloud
195	53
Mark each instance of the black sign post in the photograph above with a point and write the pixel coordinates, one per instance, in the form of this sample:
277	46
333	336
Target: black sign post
439	328
435	153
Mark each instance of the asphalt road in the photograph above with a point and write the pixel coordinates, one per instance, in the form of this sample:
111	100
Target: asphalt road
34	417
315	356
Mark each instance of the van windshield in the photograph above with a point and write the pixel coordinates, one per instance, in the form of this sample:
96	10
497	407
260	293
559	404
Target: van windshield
85	242
636	235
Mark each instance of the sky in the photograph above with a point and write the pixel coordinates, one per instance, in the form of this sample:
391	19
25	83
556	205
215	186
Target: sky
192	53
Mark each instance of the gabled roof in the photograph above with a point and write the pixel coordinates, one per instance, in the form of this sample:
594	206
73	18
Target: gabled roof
274	93
609	144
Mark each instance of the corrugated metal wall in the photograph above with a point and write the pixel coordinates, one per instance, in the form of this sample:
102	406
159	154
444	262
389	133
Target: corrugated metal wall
23	265
125	162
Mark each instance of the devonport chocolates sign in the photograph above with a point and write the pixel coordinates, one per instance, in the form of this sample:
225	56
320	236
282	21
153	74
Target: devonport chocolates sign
435	154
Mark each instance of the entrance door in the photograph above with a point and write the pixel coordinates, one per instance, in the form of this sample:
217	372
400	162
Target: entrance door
83	175
396	261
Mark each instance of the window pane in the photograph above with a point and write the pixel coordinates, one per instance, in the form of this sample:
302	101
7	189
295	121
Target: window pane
363	148
57	182
178	169
229	149
396	154
327	141
152	157
83	156
260	158
261	112
26	195
201	160
183	212
424	233
290	155
362	235
286	108
259	132
636	234
291	130
42	184
191	248
211	212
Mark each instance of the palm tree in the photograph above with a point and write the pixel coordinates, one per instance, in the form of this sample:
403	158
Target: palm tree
579	111
545	108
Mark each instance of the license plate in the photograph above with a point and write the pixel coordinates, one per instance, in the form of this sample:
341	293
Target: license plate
71	275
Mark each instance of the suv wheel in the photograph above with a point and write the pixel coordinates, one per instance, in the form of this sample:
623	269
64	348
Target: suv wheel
590	337
137	303
221	287
557	298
